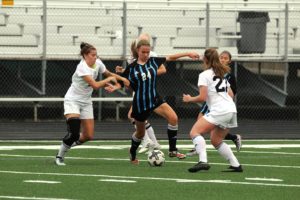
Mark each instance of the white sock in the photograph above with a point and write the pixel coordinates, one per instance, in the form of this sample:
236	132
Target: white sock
200	146
62	150
225	151
150	133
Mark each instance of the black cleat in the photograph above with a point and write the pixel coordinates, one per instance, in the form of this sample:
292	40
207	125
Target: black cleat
199	166
234	169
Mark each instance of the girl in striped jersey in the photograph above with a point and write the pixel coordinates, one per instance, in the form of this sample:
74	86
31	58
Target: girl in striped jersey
142	74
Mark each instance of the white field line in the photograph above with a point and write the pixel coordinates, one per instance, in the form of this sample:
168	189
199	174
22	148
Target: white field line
117	180
126	146
264	179
41	181
126	159
31	198
152	178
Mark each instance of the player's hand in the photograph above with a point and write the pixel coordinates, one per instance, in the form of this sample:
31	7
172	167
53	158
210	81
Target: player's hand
194	55
186	98
109	88
119	69
126	82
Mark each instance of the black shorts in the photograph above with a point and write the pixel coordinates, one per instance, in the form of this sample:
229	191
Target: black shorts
144	115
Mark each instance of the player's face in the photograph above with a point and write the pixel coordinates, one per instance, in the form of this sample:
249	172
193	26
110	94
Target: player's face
224	59
91	57
143	53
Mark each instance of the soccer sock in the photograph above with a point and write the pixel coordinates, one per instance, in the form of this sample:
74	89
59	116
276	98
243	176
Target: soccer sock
78	142
135	142
172	136
225	151
62	150
150	133
230	136
200	146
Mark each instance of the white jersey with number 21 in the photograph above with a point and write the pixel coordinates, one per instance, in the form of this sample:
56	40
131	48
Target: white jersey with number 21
218	100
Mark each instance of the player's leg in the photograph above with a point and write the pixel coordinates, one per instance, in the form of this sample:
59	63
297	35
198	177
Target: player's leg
236	139
87	124
136	139
73	128
201	127
217	136
169	114
151	134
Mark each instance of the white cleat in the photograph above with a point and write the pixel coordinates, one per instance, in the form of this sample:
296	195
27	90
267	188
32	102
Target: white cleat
238	143
59	161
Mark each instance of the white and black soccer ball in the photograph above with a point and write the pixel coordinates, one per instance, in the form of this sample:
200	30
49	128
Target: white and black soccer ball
156	158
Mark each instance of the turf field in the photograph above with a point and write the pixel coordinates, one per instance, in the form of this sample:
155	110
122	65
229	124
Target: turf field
101	170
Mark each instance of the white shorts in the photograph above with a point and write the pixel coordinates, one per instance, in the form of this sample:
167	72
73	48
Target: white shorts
85	110
228	120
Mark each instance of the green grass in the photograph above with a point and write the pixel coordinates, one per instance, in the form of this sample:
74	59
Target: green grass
88	171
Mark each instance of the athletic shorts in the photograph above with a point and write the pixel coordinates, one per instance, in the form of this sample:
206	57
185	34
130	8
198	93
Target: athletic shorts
143	116
85	110
228	120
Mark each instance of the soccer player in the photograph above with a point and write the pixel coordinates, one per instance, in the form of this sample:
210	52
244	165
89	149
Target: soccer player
142	74
149	140
78	107
225	59
215	90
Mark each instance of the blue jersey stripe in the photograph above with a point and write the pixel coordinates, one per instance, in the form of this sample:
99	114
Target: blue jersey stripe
144	88
137	92
148	67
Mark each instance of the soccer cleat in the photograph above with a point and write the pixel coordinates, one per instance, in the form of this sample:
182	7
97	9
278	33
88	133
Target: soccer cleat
148	148
59	161
235	169
238	142
135	162
199	166
157	146
177	154
191	152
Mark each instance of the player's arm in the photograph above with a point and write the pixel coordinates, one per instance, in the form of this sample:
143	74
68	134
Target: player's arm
98	84
196	99
107	73
173	57
161	70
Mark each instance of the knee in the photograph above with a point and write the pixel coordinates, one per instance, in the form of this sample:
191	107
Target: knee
173	120
215	142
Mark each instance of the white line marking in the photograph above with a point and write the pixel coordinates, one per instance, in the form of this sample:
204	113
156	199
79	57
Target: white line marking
41	181
35	198
117	180
199	181
126	159
150	178
264	179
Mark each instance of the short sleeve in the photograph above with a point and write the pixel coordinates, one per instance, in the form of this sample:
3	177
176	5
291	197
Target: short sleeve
158	61
83	69
203	79
102	67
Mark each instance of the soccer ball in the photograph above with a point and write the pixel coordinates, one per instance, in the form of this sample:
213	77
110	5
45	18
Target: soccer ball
156	158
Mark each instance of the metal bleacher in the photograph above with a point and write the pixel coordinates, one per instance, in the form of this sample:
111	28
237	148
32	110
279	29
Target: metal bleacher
173	24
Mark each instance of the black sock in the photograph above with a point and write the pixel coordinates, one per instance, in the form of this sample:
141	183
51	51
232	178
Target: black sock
172	136
135	143
229	136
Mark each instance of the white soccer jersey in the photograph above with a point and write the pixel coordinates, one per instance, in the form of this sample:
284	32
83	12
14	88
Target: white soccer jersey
218	100
80	90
